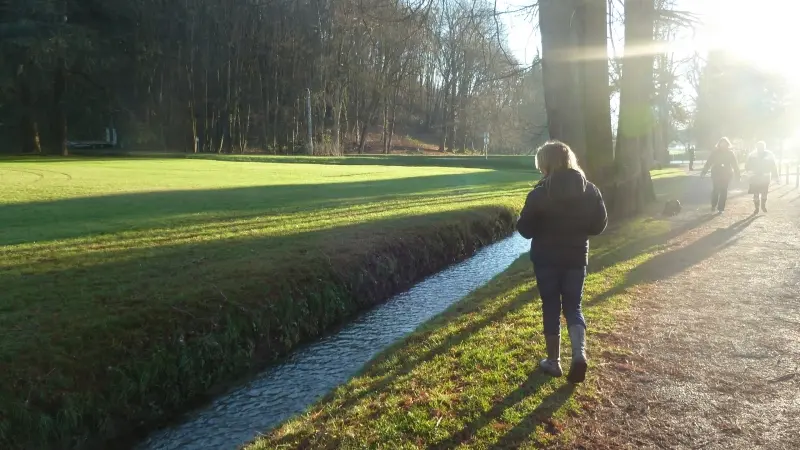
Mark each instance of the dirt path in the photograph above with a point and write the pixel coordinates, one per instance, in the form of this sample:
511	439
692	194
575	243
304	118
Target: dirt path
714	339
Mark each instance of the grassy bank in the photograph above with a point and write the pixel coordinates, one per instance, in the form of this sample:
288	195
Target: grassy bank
470	379
130	287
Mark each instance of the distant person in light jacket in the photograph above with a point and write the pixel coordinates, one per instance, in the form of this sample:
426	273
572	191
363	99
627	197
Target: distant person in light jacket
559	215
763	165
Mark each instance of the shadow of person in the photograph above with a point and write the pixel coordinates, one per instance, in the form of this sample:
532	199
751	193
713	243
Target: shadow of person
671	263
542	415
536	380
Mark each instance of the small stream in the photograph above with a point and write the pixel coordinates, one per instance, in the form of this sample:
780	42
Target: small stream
311	372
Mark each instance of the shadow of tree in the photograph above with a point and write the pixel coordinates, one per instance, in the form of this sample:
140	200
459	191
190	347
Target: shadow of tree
669	264
634	247
87	216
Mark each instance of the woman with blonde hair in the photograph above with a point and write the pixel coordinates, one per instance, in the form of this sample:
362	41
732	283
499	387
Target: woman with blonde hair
723	165
559	215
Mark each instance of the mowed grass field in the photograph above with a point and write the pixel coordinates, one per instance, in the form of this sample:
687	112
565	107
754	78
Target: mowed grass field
129	287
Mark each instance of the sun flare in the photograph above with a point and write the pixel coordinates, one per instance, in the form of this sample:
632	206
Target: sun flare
766	33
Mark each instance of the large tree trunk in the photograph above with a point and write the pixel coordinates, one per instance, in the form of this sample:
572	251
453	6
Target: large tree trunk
561	74
634	139
592	15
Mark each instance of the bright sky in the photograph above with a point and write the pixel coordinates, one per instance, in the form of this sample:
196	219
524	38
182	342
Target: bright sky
765	32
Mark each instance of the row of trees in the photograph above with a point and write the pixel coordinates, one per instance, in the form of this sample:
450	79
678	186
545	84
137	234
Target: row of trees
228	75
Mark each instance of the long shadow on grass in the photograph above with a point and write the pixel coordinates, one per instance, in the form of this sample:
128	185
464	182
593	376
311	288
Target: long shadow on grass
543	414
672	263
530	387
636	247
85	216
131	245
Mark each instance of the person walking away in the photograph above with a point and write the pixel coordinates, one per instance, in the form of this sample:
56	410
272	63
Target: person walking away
559	215
723	165
691	158
763	165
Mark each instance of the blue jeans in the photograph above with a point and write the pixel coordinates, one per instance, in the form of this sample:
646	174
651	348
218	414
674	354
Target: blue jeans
560	289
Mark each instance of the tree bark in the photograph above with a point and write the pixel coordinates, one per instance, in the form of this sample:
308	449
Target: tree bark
563	87
592	15
634	139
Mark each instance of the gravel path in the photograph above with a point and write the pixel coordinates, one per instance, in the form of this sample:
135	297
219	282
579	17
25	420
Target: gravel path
712	349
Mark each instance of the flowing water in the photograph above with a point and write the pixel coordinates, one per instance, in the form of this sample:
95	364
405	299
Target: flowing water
311	372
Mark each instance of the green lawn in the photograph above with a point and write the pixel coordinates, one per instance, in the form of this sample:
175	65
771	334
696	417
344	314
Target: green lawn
497	162
469	379
131	286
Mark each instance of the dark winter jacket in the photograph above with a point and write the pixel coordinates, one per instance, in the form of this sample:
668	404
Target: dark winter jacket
560	214
722	164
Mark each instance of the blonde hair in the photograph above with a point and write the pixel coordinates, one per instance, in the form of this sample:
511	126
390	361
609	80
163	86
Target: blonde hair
724	140
555	155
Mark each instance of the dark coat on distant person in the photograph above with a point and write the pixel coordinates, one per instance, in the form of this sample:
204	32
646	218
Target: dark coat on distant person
560	214
723	165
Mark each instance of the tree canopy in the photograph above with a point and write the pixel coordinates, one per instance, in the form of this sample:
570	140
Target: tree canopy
225	76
